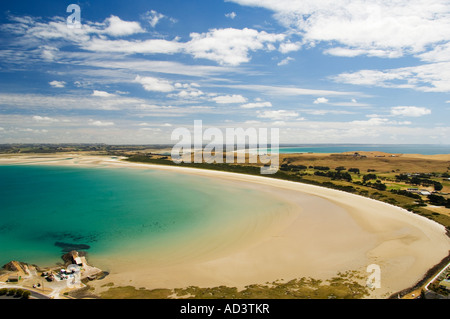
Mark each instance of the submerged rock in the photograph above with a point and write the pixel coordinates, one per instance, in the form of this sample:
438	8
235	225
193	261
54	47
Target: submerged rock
68	247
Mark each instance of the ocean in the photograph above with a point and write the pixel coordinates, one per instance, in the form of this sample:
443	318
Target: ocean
425	149
46	209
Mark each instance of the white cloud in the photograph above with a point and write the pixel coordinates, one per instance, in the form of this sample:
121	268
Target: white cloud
225	46
102	94
144	65
374	121
229	46
390	26
325	112
66	102
278	115
231	15
152	46
433	77
49	53
57	84
289	91
440	53
187	91
377	121
321	100
251	122
30	130
350	53
151	129
351	104
285	61
101	123
383	29
44	119
155	84
256	105
188	94
229	99
117	27
57	29
153	17
410	111
290	47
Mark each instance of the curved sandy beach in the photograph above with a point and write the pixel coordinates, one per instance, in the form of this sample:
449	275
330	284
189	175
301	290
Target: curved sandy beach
325	232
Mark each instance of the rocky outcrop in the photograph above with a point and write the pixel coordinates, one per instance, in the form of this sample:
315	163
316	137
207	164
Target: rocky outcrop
17	266
70	257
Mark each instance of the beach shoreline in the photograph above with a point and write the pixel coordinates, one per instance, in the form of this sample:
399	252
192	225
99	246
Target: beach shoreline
332	231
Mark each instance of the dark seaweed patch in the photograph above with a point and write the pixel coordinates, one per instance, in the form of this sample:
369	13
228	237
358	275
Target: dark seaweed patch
68	247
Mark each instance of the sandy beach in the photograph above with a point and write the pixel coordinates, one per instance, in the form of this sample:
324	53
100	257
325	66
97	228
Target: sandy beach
325	232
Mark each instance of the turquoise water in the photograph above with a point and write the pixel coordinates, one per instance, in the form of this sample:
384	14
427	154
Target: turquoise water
425	149
111	209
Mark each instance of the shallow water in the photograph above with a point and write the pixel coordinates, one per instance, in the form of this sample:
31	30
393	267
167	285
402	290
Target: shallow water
114	210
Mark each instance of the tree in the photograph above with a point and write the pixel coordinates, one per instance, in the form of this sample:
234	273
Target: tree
26	294
369	177
340	168
437	200
437	186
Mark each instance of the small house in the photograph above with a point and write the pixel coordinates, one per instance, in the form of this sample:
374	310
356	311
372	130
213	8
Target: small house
14	278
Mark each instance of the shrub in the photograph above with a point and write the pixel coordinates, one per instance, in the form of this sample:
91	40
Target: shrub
405	193
19	293
26	294
322	168
11	292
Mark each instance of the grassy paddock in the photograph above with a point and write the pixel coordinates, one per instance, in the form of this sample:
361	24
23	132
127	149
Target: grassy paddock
347	285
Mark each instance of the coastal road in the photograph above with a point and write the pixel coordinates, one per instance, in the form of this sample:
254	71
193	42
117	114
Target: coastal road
34	294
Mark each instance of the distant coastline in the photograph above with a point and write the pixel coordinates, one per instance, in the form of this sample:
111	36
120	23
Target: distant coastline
424	149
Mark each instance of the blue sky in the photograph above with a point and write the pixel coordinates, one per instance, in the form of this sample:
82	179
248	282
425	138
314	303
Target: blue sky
325	71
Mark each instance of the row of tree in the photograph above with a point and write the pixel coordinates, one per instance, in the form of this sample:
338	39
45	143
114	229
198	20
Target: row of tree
335	175
421	179
438	200
15	293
